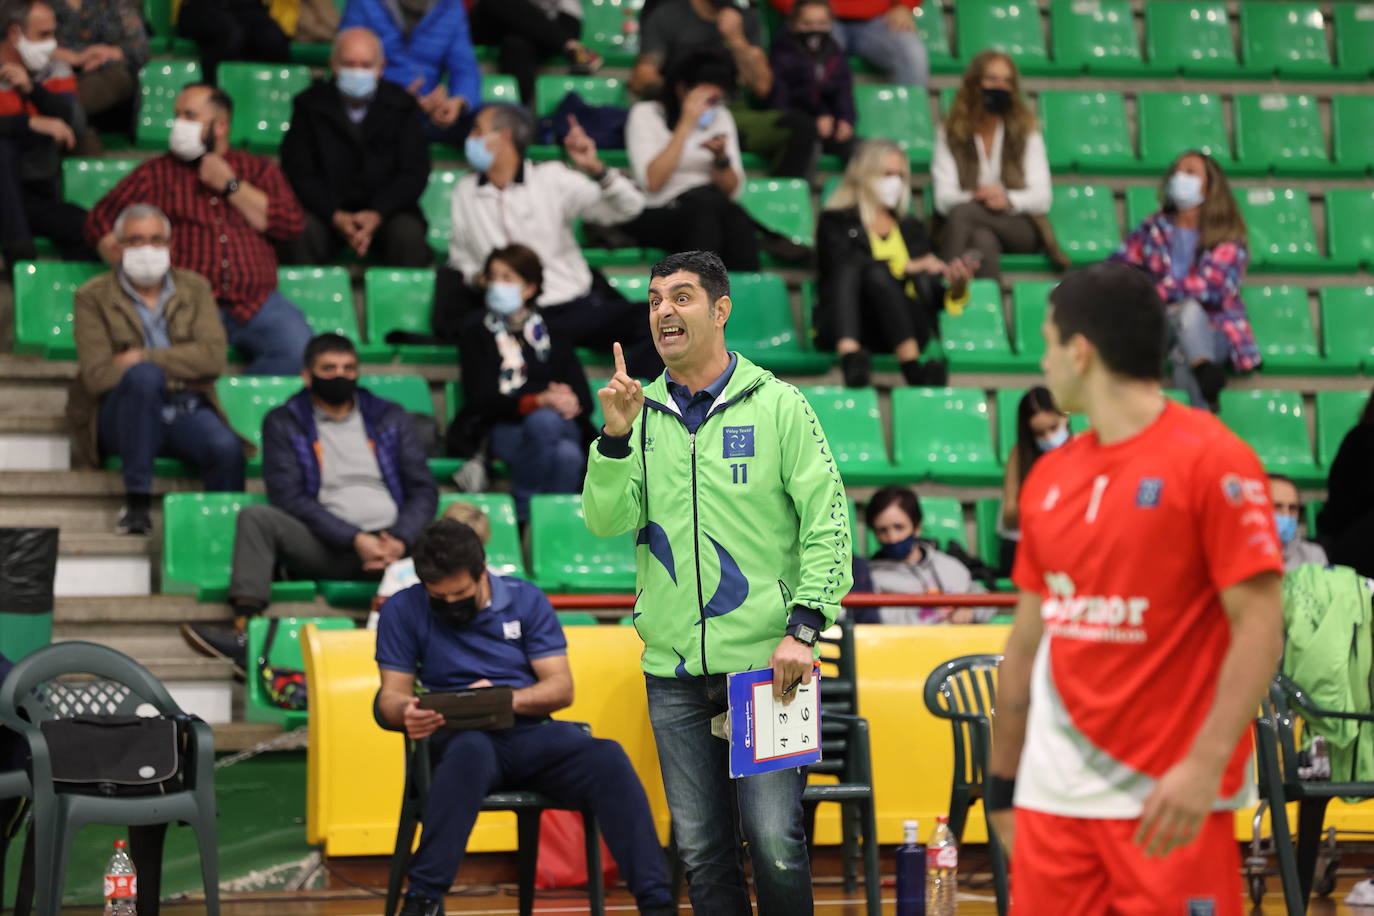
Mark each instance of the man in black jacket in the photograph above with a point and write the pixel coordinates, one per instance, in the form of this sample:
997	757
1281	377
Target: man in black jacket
356	157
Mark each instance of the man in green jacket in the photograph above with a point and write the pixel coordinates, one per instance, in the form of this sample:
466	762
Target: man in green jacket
743	528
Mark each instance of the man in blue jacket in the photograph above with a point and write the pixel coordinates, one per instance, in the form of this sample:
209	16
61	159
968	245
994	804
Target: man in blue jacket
348	487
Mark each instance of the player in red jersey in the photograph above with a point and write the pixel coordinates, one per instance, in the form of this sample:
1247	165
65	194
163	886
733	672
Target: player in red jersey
1149	626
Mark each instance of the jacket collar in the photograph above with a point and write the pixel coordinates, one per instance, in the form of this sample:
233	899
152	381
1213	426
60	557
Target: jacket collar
483	181
746	377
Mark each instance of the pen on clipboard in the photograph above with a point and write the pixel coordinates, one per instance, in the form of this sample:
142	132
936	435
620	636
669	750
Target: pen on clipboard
792	686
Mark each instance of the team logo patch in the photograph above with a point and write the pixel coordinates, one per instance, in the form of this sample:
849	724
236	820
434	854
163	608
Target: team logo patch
1233	489
1202	906
511	629
738	442
1148	492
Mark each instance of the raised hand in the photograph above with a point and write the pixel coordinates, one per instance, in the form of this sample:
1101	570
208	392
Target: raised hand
581	148
622	399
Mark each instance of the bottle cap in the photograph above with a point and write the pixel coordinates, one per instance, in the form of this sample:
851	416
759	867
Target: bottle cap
909	824
942	818
120	844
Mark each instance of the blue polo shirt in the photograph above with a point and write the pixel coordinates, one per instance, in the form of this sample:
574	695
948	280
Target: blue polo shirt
518	627
695	407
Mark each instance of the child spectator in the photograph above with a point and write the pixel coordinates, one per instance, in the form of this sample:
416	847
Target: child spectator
811	75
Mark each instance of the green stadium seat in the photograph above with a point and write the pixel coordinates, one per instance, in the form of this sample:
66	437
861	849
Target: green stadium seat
762	328
854	431
567	557
1273	424
1352	132
157	17
782	205
1337	414
930	24
1029	302
198	546
1285	39
1010	26
437	205
1190	36
976	339
603	29
325	296
348	593
943	434
900	114
942	521
1348	327
503	547
85	181
1282	133
987	516
410	391
1350	228
1279	221
498	87
1097	37
262	95
1354	39
246	401
577	619
43	292
1141	201
1087	132
1084	221
403	300
549	90
159	84
1282	322
1172	122
1007	401
286	653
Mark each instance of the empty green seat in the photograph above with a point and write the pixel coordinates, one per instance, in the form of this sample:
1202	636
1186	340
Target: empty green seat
43	292
247	399
402	299
1284	39
1029	302
437	204
1279	221
1273	424
1350	228
1352	132
286	653
85	181
567	557
854	430
410	391
897	113
1087	132
198	546
987	516
1084	221
503	547
1010	26
1008	400
1172	122
1098	37
1282	322
325	297
1141	201
930	24
262	95
976	339
782	205
1354	39
549	90
603	29
498	87
762	328
1337	414
1190	37
943	434
1282	133
1348	326
159	84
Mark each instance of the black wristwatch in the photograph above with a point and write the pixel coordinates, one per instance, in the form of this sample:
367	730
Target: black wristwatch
804	634
231	186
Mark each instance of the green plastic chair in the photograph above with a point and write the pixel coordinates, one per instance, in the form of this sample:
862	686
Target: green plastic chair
943	434
897	113
436	204
1347	331
1350	228
1282	133
976	339
942	521
762	328
1282	322
1084	221
286	653
1352	132
782	205
1029	302
1171	122
1285	39
1273	424
247	399
577	619
930	24
987	517
503	547
1098	37
603	29
1354	39
1337	414
43	292
1193	38
1141	201
854	430
550	88
1007	400
85	181
1087	132
1011	26
402	299
566	557
198	546
325	297
498	87
262	95
410	391
1280	227
159	84
41	688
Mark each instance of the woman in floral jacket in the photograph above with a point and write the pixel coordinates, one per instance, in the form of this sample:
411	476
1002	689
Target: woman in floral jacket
1195	249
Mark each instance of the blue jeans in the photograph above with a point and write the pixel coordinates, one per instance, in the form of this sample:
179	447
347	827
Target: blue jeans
710	810
1193	339
545	455
273	341
558	759
138	422
901	55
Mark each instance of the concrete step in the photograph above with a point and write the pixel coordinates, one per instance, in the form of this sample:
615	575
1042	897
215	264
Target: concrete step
169	611
34	367
32	397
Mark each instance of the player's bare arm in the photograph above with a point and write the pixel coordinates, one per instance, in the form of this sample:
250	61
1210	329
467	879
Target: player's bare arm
1175	811
1013	702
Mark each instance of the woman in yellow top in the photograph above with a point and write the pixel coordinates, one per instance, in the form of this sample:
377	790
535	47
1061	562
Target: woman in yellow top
881	285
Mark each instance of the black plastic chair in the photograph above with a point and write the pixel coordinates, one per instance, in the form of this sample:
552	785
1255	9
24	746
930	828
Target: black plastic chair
527	806
845	754
839	669
964	691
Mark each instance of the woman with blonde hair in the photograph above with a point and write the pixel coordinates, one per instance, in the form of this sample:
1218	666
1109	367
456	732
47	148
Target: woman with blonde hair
991	174
1195	250
881	285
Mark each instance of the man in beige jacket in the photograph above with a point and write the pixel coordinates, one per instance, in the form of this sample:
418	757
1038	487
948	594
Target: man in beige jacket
149	344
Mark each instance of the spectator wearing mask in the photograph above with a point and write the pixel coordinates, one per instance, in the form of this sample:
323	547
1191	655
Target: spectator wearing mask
348	490
401	574
426	44
684	151
40	121
149	346
1347	520
907	564
524	391
529	32
105	43
881	287
1040	427
1195	250
812	75
356	157
990	171
509	200
232	30
1287	516
881	32
227	209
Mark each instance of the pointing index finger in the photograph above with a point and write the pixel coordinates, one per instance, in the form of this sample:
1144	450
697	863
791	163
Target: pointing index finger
619	358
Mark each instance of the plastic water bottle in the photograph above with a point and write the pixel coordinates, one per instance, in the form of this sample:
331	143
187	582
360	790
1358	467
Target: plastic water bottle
121	884
911	873
942	870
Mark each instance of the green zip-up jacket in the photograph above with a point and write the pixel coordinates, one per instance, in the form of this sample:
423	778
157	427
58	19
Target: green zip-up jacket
739	526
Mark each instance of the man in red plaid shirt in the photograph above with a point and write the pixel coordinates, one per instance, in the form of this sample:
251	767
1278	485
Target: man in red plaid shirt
227	207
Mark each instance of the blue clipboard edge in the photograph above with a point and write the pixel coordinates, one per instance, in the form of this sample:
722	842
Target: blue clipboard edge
740	696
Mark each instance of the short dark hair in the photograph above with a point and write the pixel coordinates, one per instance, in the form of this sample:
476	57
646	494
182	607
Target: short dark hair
523	260
803	4
327	343
16	12
219	99
446	547
705	65
1116	307
707	265
515	119
903	497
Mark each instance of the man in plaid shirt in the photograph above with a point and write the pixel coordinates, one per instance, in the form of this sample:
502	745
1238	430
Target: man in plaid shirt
227	208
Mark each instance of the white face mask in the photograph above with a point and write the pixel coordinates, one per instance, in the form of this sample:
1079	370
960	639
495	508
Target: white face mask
35	54
889	190
187	141
146	265
1185	190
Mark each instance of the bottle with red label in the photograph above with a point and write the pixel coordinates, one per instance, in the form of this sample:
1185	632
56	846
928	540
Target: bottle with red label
942	870
121	883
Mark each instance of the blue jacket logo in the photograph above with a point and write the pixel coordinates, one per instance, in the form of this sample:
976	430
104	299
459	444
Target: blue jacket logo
738	442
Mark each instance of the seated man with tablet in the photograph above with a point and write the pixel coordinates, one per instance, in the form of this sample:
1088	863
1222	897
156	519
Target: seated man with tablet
462	629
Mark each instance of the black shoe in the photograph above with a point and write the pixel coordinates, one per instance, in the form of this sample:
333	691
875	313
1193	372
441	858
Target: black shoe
422	906
913	372
936	372
218	640
133	520
1211	378
856	368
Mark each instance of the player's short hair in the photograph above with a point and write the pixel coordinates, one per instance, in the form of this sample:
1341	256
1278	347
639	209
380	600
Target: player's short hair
471	516
903	498
445	548
1116	307
707	265
326	343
